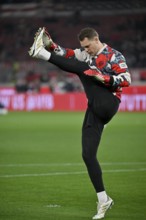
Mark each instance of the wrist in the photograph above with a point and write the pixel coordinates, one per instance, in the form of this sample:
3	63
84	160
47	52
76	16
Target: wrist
108	79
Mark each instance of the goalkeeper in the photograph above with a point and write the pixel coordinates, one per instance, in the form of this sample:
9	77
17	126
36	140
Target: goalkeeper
103	72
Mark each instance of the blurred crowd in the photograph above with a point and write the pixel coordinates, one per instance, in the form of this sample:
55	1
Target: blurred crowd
126	33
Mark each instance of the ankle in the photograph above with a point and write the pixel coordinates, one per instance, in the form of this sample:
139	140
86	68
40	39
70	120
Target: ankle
102	197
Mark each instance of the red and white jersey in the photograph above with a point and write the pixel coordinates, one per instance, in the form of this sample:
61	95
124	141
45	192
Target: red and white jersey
107	61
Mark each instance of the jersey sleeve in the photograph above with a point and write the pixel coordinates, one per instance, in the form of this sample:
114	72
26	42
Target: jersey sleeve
65	52
78	54
121	75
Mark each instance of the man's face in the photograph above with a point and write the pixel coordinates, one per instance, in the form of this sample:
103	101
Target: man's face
90	46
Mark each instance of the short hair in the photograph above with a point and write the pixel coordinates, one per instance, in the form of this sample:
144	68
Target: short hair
88	32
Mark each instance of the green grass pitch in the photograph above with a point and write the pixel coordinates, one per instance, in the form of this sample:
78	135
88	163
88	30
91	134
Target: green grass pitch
42	175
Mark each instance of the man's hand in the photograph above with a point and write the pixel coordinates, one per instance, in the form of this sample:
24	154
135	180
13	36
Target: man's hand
105	79
48	42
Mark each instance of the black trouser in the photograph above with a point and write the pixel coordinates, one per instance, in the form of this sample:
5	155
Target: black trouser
93	125
102	106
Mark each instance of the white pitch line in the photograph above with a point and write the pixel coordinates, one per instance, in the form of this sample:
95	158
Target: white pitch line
70	173
41	165
70	164
43	174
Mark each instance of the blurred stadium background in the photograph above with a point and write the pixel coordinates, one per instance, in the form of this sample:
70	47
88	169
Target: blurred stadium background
121	24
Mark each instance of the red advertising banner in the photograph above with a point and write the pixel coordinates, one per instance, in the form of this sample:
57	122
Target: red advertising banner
44	102
133	99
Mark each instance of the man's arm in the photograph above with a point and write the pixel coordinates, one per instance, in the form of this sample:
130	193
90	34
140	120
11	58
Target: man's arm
122	80
50	45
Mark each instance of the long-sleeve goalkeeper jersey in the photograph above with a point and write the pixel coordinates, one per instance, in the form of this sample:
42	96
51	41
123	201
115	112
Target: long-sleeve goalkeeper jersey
108	61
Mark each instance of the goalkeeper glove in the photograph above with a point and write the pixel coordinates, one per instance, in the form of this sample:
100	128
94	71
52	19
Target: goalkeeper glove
105	79
50	45
48	42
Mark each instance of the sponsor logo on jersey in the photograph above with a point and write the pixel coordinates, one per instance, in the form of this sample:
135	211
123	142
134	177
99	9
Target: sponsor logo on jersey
123	65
